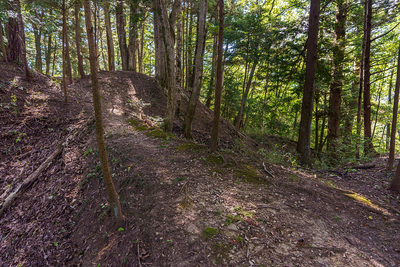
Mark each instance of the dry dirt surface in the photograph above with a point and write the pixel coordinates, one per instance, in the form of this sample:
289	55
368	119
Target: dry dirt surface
184	206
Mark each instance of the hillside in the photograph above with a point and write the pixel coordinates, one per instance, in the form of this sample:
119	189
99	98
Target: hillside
184	206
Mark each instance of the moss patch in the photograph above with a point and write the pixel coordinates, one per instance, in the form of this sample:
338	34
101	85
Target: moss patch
216	159
220	253
140	128
209	232
249	175
157	133
132	122
188	146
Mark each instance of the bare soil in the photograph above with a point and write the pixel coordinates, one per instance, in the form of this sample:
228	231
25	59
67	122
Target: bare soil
184	206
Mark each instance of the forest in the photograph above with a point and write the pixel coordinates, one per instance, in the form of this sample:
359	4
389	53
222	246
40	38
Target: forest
311	88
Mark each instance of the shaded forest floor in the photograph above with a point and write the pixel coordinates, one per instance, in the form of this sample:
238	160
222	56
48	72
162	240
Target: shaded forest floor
184	206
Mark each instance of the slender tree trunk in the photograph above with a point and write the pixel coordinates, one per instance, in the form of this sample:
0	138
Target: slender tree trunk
78	40
54	57
3	47
390	103
264	102
360	93
368	146
218	82
189	64
28	73
214	62
317	115
38	48
394	117
48	53
303	144
179	49
140	55
14	42
198	71
110	41
337	81
112	194
64	32
239	116
96	27
120	20
133	32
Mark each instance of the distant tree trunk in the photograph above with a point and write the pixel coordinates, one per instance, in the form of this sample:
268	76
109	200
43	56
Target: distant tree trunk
66	42
218	82
28	74
112	194
214	61
48	53
390	103
133	33
64	33
179	49
110	41
198	71
54	57
394	116
78	40
239	115
317	115
3	47
38	47
189	50
303	144
337	81
120	20
360	92
368	146
140	55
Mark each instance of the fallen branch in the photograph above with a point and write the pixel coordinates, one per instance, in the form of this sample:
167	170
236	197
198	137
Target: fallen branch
368	166
32	178
265	169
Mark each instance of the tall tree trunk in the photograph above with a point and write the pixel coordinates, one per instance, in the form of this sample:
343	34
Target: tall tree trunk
317	115
112	193
28	74
64	33
110	41
96	27
78	40
368	146
198	71
48	53
360	92
239	115
337	81
218	82
120	20
394	116
38	47
54	57
214	62
3	47
133	32
189	45
14	42
166	31
67	56
179	49
390	103
140	55
303	144
160	59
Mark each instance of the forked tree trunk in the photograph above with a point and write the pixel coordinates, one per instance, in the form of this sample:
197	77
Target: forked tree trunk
110	41
335	96
218	82
78	40
3	47
394	116
120	20
112	194
303	144
198	71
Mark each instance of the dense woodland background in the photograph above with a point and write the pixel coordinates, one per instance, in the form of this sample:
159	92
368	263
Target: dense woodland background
349	105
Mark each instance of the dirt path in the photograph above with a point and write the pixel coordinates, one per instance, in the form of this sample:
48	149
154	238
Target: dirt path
184	207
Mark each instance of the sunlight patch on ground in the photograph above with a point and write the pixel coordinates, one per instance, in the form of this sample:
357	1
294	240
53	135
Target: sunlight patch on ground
366	202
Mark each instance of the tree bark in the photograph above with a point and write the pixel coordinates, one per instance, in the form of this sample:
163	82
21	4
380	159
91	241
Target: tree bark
28	73
133	33
179	49
337	81
120	20
368	146
198	71
64	32
303	144
214	62
395	183
112	194
218	82
14	42
78	40
3	47
48	53
388	133
110	41
140	55
38	47
394	116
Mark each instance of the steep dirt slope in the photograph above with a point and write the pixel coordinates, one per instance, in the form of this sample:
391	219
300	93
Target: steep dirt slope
184	207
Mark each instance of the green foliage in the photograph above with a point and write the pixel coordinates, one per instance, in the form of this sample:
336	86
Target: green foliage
209	232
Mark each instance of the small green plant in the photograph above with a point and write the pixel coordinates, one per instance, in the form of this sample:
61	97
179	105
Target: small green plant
179	179
337	218
87	152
